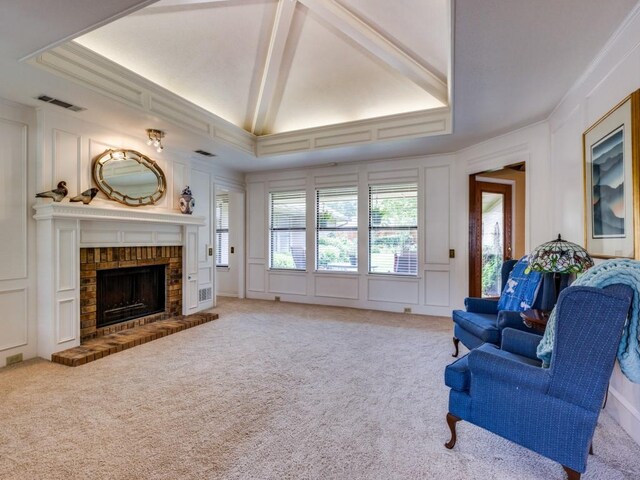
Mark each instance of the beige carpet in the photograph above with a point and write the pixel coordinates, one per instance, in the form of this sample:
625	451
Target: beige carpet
269	391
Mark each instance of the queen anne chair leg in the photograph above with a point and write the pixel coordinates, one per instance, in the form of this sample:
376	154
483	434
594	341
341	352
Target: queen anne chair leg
456	343
571	474
451	421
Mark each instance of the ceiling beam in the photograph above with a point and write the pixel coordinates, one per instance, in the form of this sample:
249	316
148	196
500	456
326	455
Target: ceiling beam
273	64
168	6
372	41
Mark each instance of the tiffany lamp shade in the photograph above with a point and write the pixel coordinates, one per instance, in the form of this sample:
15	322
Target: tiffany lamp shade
560	258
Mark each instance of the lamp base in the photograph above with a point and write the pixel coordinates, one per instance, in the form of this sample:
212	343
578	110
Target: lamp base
552	285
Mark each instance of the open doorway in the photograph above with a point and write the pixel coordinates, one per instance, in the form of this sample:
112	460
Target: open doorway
496	226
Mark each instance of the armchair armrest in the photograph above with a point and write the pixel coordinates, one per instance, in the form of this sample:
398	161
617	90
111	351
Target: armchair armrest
483	364
481	305
511	319
520	343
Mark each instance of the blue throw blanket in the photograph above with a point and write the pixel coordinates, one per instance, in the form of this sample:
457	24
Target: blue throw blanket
608	273
521	288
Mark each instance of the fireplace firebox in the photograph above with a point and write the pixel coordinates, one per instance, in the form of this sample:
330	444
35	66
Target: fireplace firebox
126	293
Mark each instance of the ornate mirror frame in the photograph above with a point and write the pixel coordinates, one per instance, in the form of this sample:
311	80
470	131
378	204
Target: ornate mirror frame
111	155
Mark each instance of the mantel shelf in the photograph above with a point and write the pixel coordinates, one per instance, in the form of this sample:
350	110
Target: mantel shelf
66	210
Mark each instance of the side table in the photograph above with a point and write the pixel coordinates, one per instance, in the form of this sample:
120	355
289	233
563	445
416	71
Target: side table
535	319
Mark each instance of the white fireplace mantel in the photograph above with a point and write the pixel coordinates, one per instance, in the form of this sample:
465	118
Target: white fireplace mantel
77	211
63	228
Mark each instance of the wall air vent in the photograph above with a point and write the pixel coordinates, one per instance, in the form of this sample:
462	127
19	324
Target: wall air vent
205	153
205	294
60	103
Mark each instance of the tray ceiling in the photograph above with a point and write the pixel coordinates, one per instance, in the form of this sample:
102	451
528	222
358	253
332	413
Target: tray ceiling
271	66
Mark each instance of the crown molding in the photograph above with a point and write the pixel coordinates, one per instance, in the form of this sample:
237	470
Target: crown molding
87	68
423	123
83	66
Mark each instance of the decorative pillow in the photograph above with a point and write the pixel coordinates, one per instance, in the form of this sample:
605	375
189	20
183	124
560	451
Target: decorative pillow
521	289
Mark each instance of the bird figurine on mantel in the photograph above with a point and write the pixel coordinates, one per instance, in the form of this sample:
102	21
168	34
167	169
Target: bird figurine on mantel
57	194
86	196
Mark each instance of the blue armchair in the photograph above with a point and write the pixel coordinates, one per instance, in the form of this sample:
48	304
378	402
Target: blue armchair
481	322
551	411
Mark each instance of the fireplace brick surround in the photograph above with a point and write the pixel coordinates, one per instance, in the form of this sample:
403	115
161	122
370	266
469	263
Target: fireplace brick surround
75	241
105	258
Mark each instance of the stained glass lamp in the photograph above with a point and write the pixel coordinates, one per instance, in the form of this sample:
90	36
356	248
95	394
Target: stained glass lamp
560	258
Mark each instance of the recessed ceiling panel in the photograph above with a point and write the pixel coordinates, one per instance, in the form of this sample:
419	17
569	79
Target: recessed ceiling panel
332	79
422	28
206	52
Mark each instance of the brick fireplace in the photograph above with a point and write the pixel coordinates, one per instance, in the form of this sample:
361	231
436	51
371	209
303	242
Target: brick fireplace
77	241
93	260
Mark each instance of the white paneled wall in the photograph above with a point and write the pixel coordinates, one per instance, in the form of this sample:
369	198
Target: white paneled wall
17	236
437	272
257	222
37	150
204	271
428	292
230	280
69	146
614	74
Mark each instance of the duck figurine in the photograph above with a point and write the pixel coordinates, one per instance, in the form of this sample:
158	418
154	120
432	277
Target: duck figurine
57	194
86	196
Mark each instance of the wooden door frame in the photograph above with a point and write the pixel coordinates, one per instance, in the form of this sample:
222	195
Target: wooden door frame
475	227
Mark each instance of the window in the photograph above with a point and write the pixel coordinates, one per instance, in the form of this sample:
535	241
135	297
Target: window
393	229
337	229
287	228
222	230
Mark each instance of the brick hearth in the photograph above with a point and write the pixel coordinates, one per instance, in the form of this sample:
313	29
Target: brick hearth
94	259
106	345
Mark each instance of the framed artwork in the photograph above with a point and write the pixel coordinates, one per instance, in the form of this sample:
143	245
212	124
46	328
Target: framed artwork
611	188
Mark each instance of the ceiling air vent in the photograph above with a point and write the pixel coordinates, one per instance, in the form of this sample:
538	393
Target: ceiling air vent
205	153
60	103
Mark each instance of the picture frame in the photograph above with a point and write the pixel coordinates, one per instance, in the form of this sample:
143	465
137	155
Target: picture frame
611	189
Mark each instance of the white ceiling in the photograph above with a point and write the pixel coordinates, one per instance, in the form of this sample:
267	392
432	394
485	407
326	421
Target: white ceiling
513	62
320	75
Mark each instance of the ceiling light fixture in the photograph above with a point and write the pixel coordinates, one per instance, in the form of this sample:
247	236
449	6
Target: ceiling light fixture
155	138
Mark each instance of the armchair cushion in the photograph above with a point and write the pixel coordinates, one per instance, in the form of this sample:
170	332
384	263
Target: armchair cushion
521	288
481	305
481	325
509	319
520	343
457	376
516	372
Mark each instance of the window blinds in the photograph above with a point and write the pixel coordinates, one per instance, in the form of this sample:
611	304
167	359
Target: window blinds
222	230
337	229
393	229
287	227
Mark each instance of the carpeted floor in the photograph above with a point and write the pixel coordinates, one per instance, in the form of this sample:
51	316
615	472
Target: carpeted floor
268	391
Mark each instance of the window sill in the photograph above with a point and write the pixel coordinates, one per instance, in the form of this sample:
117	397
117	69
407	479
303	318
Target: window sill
395	276
286	270
337	272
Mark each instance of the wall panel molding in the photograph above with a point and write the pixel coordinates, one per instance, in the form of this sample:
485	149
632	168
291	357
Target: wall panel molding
287	283
14	325
337	286
13	185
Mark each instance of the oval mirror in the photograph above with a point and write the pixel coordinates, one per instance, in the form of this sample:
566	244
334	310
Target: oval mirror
129	177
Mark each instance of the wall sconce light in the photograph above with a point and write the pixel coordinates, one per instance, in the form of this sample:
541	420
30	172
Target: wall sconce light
155	138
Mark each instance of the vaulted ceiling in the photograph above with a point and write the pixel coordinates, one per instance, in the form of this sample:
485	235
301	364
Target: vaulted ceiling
272	66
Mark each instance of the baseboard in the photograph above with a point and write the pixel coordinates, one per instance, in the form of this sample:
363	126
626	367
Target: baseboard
623	412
